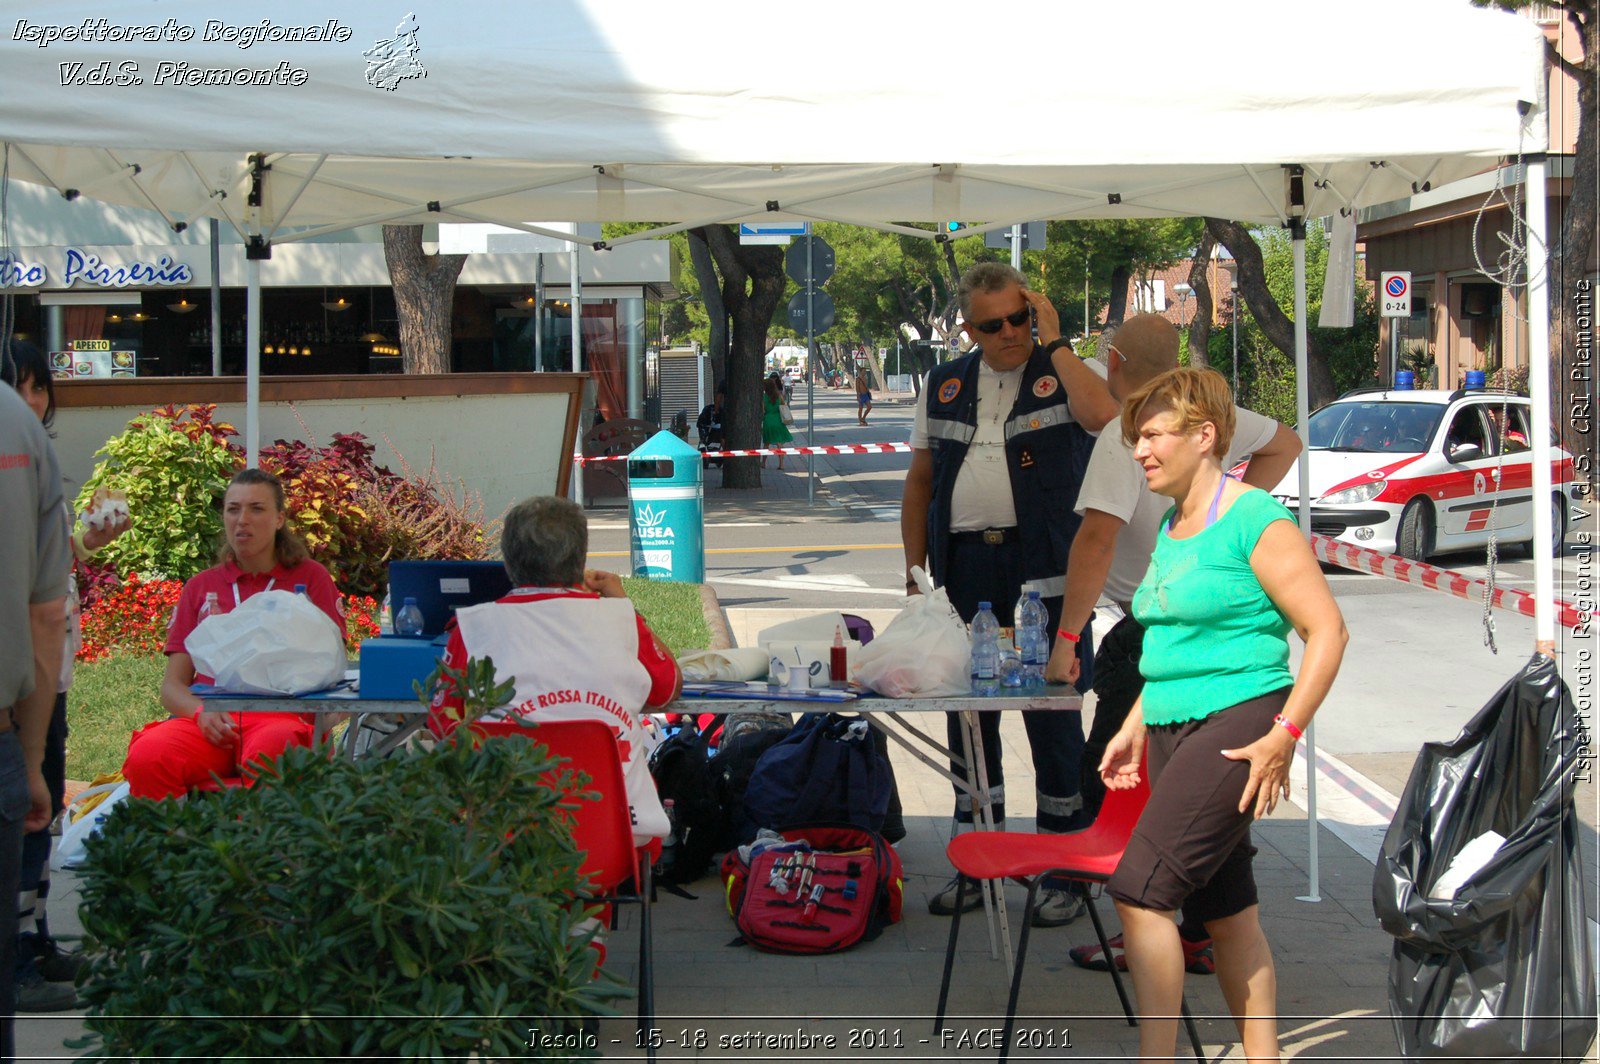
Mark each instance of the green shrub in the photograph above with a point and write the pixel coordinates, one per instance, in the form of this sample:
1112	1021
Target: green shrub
413	907
173	464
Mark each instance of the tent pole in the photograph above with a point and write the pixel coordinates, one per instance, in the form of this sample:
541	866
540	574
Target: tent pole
577	353
1302	404
216	301
252	362
1539	389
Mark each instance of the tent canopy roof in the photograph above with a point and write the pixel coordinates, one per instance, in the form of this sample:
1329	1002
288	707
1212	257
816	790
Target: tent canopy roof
629	112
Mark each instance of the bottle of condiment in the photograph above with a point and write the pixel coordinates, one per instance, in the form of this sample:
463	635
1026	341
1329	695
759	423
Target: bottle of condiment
838	660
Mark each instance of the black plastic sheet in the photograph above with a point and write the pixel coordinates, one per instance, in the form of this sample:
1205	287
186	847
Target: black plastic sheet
1502	971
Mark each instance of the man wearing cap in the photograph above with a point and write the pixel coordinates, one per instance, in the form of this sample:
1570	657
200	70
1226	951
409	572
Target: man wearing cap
999	447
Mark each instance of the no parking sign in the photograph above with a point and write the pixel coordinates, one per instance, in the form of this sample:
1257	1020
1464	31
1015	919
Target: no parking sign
1395	292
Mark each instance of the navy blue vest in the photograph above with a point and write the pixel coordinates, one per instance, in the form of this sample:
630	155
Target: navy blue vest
1047	452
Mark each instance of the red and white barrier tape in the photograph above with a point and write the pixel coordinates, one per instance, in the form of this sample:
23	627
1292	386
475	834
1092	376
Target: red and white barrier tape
843	448
1420	574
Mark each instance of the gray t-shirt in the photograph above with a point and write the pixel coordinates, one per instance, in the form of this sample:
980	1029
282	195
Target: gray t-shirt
33	538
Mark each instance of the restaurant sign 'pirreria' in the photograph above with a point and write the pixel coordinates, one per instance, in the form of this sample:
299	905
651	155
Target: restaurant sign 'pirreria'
90	270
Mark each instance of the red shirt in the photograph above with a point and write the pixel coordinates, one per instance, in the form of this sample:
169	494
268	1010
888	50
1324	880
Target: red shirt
233	586
662	668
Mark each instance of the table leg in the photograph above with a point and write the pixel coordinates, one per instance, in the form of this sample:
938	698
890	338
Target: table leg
994	897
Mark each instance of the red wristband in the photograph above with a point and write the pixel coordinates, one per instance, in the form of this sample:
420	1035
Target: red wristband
1071	637
1289	726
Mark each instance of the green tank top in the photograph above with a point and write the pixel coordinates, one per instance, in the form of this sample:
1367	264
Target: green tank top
1212	637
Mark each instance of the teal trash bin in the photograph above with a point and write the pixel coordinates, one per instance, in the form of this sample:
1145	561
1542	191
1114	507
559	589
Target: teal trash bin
666	510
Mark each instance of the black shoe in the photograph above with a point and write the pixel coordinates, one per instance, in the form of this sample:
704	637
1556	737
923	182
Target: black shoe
58	965
36	995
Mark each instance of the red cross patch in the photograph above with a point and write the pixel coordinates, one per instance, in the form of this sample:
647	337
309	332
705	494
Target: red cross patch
1045	386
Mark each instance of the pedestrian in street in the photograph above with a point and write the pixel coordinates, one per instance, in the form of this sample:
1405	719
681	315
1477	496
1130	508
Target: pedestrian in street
33	592
863	396
774	433
1220	713
998	449
1111	552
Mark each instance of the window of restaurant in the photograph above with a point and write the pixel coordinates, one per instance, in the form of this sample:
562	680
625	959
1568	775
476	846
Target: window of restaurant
613	332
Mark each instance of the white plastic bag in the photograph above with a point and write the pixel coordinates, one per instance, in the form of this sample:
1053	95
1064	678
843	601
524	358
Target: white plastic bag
67	854
274	643
923	653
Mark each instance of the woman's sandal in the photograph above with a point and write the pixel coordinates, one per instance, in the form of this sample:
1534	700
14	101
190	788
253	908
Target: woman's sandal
1197	957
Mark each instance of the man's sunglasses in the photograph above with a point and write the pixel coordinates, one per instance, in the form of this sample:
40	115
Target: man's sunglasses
992	326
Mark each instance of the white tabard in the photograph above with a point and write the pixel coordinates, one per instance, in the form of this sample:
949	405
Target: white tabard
574	659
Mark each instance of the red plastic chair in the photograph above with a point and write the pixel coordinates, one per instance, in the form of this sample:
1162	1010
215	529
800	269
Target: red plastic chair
619	872
1088	856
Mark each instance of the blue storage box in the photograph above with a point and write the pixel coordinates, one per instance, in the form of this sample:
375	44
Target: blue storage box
389	665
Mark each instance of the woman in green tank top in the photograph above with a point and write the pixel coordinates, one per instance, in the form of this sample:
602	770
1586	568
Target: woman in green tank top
1216	726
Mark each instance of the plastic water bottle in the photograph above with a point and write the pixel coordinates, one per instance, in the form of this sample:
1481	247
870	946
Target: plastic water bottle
212	605
1010	665
408	621
300	589
670	807
1033	642
985	652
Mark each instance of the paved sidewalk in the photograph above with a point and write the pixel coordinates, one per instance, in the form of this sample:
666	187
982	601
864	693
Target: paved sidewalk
1332	958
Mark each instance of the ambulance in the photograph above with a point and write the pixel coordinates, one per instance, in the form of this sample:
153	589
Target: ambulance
1417	472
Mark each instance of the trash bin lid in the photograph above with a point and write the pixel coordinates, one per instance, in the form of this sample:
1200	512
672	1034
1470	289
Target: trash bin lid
666	459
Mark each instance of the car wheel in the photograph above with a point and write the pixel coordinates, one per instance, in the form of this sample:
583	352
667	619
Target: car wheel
1414	540
1558	529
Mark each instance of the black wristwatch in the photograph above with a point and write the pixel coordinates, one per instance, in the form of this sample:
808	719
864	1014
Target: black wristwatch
1054	345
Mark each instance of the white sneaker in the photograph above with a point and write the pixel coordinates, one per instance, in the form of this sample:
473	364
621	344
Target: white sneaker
1057	907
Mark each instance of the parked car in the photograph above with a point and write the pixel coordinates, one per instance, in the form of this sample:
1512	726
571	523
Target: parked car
1413	472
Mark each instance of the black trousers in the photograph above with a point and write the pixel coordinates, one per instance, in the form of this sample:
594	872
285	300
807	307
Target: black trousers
982	572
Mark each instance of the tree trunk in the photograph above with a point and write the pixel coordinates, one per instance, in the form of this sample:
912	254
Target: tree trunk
711	292
1572	384
752	285
424	294
1199	280
1117	305
1271	319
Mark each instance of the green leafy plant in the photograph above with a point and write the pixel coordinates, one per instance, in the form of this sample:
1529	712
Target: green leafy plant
173	464
412	907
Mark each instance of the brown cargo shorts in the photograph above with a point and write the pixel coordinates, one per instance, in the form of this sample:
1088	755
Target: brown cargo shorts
1192	843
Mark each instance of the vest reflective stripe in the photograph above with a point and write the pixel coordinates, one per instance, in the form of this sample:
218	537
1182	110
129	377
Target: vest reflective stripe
1047	586
945	429
1038	420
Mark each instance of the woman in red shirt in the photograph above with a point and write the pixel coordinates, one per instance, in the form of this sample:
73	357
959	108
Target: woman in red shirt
258	554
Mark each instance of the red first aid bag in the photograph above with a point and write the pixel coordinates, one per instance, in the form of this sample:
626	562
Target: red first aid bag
845	889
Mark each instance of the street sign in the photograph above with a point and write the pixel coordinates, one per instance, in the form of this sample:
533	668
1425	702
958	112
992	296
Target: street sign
1394	293
1032	237
824	307
794	260
771	232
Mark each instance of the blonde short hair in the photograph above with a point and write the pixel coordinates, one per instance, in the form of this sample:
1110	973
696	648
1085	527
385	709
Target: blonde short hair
1192	394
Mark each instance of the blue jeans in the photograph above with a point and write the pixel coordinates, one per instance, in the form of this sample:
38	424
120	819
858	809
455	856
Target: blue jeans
13	809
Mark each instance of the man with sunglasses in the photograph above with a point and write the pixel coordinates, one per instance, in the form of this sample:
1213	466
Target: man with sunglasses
1000	444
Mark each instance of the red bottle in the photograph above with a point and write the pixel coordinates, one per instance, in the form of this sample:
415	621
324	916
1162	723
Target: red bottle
838	660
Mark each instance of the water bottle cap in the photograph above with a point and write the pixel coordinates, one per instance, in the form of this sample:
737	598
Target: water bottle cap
1034	595
410	601
985	605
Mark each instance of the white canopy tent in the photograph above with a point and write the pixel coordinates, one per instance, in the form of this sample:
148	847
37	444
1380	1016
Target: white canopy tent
590	111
